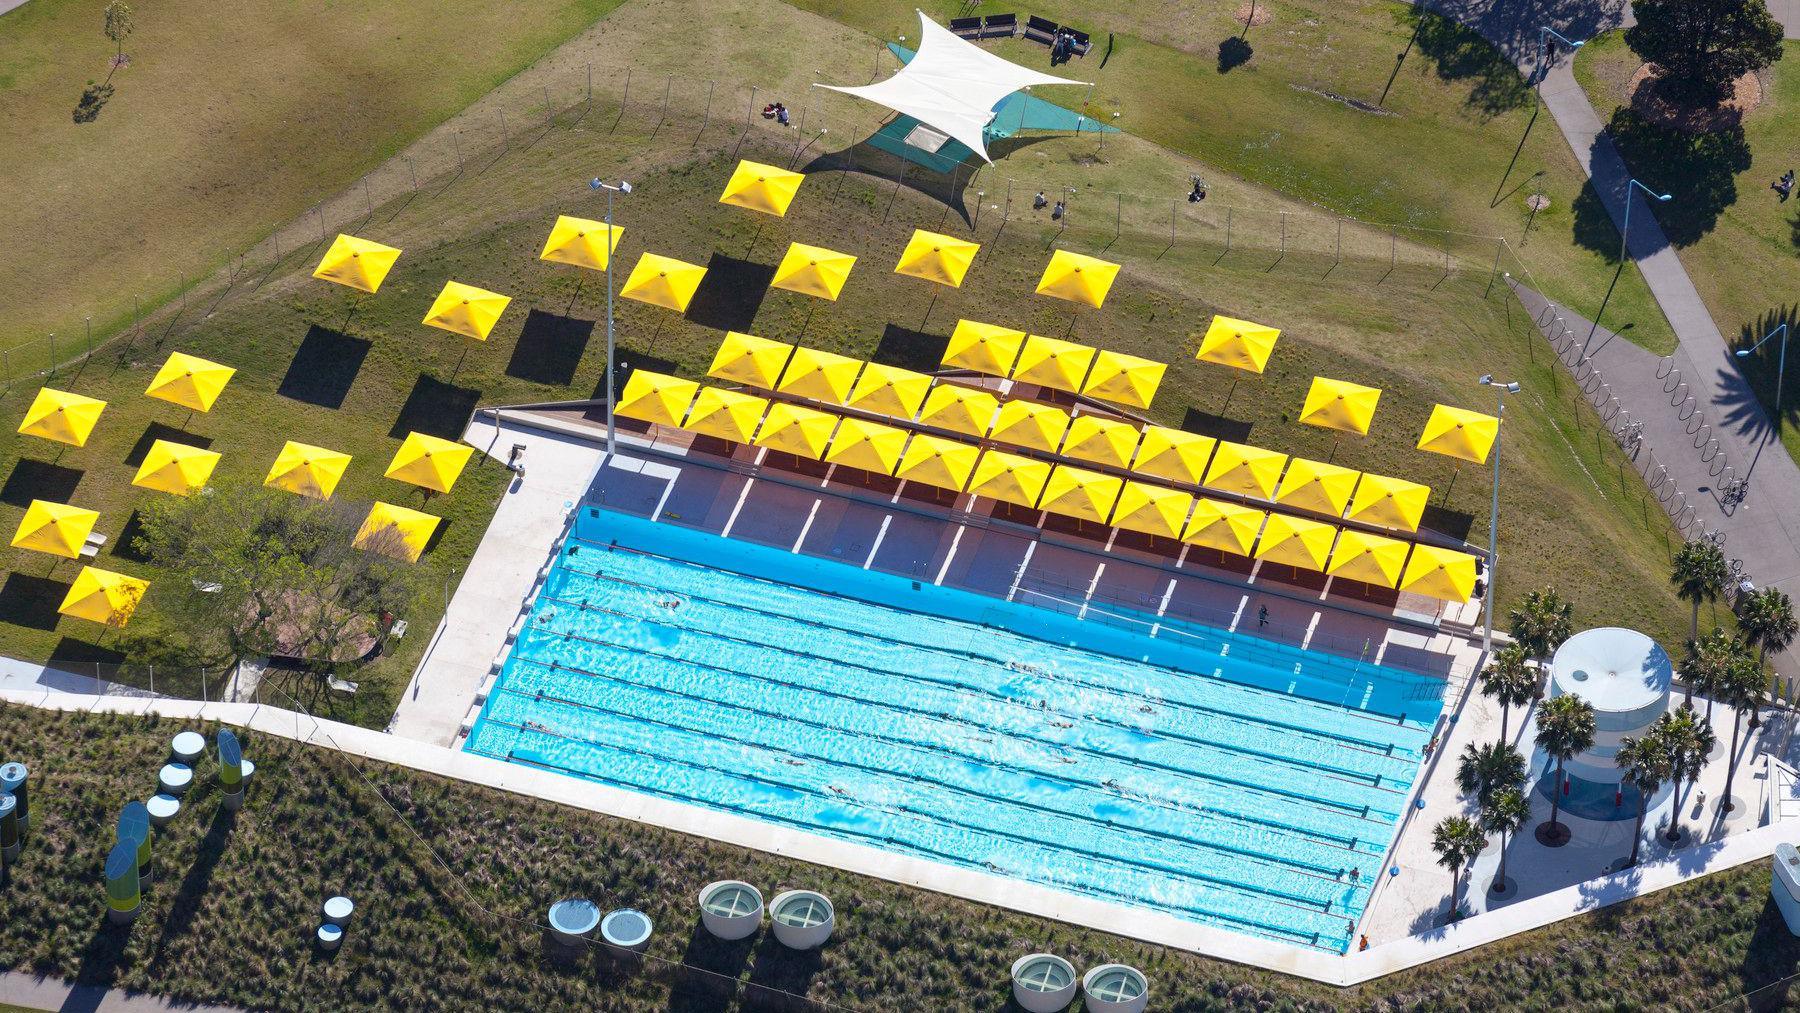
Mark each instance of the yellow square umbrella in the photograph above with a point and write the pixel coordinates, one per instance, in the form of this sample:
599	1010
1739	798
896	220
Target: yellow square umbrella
355	263
934	256
190	381
1393	502
307	470
813	270
1101	441
984	348
797	430
959	409
1077	278
1032	425
1124	379
656	397
1052	362
1174	454
760	187
1152	509
870	446
1082	494
56	528
749	359
1227	527
1243	469
429	462
1239	344
1315	485
726	414
103	596
466	310
396	531
61	416
1444	574
1296	542
822	376
1371	559
1458	433
581	242
1009	478
889	390
175	468
1341	405
663	281
938	462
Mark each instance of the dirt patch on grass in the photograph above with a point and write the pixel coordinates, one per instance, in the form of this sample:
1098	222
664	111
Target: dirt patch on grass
1254	13
1650	98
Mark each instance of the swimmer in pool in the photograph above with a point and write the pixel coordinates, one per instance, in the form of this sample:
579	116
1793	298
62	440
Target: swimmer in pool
669	603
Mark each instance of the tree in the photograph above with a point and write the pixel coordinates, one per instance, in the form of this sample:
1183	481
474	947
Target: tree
1486	770
1565	727
1542	622
1741	690
1702	46
1699	574
1510	681
1505	814
1457	840
119	24
1707	662
1766	617
1645	766
1685	740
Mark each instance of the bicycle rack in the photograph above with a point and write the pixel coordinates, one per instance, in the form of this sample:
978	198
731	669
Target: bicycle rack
1665	366
1695	424
1689	408
1672	382
1683	525
1680	396
1721	464
1712	444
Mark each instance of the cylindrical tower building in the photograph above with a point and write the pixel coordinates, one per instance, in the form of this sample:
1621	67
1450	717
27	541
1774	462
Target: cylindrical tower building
1625	676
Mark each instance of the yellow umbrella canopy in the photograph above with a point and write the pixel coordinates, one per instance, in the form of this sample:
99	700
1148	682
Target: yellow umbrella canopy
797	430
1174	454
1080	493
1296	541
307	470
937	257
1101	441
960	409
429	462
813	270
175	468
1029	424
396	531
1456	432
1227	527
1124	379
581	242
822	376
1239	344
984	348
1077	278
870	446
466	310
56	528
1445	574
360	264
749	359
103	596
889	390
726	414
61	416
1340	404
656	397
190	381
663	281
1393	502
1052	362
1009	478
1241	468
1152	509
936	461
1371	559
760	187
1317	486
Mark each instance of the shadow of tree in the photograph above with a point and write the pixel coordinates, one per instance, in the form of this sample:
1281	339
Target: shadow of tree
1234	52
1699	169
93	99
1759	367
1460	53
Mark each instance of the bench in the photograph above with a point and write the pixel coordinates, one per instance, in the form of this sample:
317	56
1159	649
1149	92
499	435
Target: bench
93	545
1080	42
1000	26
968	28
1039	30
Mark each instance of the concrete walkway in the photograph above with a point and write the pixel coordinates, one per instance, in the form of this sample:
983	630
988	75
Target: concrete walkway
33	992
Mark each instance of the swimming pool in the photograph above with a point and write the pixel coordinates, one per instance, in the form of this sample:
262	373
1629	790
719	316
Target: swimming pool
1211	775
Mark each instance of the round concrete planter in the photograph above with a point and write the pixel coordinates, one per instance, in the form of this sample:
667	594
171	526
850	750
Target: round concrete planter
1043	983
1115	988
802	919
571	920
625	932
731	909
338	910
175	779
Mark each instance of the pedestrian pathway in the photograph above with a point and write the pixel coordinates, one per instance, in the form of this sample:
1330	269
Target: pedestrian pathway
34	992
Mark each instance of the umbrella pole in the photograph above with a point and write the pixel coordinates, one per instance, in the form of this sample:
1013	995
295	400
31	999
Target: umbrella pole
812	304
580	280
754	239
459	362
929	306
1336	439
1228	392
1455	470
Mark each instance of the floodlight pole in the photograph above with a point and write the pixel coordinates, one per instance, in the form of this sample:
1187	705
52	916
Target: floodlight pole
1780	368
622	187
1487	623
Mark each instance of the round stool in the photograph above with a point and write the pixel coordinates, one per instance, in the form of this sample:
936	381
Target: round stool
162	808
175	778
187	747
337	910
330	936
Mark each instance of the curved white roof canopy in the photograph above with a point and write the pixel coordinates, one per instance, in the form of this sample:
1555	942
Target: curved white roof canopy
952	85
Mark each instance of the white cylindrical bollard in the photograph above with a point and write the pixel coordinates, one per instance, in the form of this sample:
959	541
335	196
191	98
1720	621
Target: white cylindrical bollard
175	778
731	909
802	919
330	936
338	910
1043	982
12	782
162	809
186	747
1115	988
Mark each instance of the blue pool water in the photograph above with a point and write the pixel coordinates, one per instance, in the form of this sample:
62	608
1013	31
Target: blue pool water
1210	775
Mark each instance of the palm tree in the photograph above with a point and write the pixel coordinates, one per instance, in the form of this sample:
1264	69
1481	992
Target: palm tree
1505	814
1699	574
1706	664
1645	766
1565	726
1741	691
1542	622
1766	617
1457	840
1685	740
1509	680
1486	770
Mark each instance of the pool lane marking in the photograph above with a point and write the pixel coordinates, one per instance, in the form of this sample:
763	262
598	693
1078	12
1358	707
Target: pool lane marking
886	519
804	528
1088	599
1306	641
1243	602
663	500
1019	573
944	570
743	494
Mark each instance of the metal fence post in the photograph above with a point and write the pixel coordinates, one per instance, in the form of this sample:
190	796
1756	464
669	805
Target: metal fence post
705	117
547	107
1227	230
505	137
51	371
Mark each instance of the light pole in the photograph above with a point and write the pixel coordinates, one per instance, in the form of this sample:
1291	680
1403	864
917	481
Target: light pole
1780	368
1547	53
621	187
1625	234
1487	623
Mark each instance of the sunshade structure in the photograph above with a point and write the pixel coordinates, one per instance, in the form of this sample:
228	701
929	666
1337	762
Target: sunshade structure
175	468
307	470
959	409
61	416
932	460
760	187
870	446
1317	486
749	359
1078	278
102	596
56	528
396	531
1174	454
190	381
656	397
663	281
466	310
581	242
813	270
1444	574
889	390
1459	433
1009	478
726	414
1243	469
1371	559
355	263
1296	541
1082	494
1031	425
820	375
1226	527
1053	362
429	462
797	430
936	257
1152	509
1239	344
1391	502
1101	441
984	348
1341	405
951	85
1124	379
